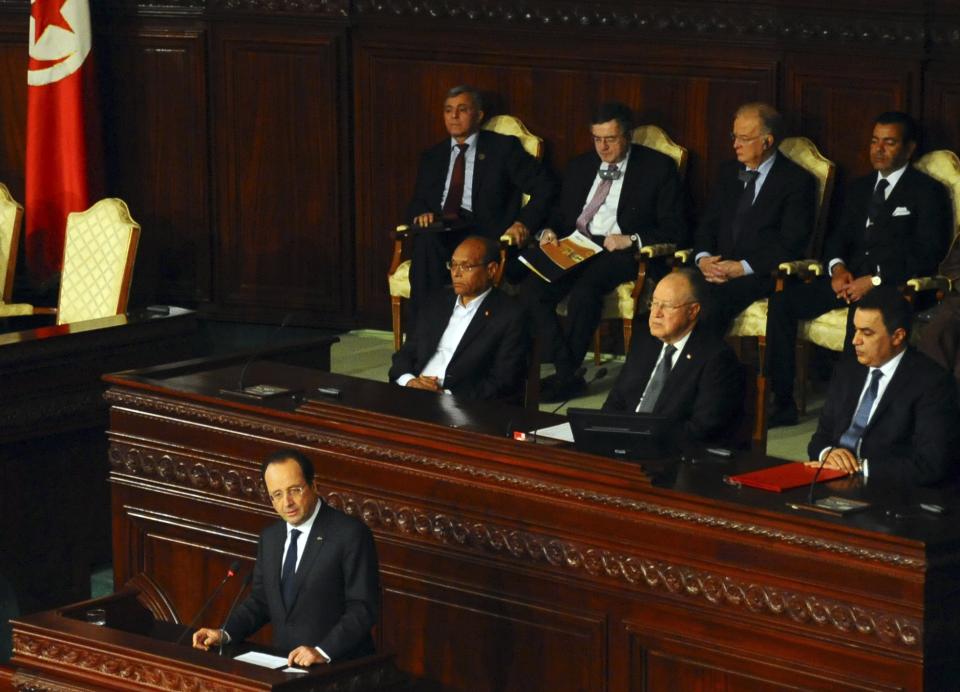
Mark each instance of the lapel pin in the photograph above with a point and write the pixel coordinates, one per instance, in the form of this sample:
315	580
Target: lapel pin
481	156
320	539
486	313
689	357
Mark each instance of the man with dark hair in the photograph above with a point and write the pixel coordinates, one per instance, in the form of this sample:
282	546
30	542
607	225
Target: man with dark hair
896	224
680	370
472	182
623	196
893	412
471	340
760	213
316	579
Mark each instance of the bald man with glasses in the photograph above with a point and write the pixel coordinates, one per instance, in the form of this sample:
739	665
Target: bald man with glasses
679	369
469	340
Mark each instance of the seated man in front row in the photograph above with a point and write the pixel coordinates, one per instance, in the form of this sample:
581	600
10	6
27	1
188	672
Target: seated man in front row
894	413
316	579
681	370
623	196
471	340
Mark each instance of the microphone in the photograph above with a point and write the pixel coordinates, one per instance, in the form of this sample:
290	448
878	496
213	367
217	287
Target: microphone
598	375
236	599
261	391
231	572
813	483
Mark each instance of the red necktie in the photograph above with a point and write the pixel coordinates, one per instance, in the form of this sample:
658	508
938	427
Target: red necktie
451	206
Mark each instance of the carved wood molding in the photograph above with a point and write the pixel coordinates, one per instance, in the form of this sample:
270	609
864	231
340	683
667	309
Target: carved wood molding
72	657
682	581
193	473
77	657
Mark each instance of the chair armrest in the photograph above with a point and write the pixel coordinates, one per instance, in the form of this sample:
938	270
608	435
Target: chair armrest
399	234
804	268
505	240
658	250
684	256
929	283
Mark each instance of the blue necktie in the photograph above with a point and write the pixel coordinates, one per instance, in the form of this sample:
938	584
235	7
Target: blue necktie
289	569
851	438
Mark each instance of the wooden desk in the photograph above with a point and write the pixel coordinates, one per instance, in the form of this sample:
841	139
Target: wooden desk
136	649
53	499
514	566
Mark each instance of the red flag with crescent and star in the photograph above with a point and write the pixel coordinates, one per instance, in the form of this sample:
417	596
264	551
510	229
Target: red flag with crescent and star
59	76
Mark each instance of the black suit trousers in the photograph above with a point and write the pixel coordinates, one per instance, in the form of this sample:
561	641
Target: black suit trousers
586	286
799	301
727	300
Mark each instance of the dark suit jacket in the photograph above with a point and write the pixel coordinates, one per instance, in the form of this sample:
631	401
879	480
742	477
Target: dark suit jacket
777	227
651	203
704	393
491	360
913	434
337	589
902	246
502	172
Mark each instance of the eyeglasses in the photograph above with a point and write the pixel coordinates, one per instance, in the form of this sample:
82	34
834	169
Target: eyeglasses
741	139
455	267
296	492
657	305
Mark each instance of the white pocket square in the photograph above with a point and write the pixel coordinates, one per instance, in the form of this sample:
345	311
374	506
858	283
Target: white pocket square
901	211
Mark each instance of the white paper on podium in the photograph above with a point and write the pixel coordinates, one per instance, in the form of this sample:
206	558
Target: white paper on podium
560	432
262	660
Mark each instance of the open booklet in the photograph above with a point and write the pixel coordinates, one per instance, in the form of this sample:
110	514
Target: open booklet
551	261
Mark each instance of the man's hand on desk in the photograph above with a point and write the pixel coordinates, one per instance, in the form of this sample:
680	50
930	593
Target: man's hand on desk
424	220
205	637
839	458
431	384
305	656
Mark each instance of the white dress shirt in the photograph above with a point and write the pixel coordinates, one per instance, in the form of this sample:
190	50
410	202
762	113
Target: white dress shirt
892	181
604	221
678	344
470	155
456	327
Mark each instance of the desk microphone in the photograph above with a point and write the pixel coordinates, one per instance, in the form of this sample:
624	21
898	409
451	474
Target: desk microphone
236	599
598	375
813	483
261	391
231	572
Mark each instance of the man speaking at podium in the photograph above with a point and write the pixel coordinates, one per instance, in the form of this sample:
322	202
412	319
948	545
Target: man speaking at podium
316	579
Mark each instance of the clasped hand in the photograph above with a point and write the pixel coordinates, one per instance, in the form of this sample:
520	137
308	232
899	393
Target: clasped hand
717	270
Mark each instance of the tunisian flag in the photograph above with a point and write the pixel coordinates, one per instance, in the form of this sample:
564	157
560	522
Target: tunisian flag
56	164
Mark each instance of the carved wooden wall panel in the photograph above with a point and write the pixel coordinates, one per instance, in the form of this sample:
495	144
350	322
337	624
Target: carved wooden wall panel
282	180
942	106
157	146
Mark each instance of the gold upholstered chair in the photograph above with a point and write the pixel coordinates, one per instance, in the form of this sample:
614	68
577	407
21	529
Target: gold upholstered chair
398	276
829	330
100	247
11	215
621	303
752	322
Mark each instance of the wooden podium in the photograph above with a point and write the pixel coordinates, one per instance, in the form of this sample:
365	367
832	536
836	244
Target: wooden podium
507	565
136	649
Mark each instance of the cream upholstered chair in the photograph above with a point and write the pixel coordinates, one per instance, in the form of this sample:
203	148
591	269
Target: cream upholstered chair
829	330
398	276
11	214
752	322
100	247
621	303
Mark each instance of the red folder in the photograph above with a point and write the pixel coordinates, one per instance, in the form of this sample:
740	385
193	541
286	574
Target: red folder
793	474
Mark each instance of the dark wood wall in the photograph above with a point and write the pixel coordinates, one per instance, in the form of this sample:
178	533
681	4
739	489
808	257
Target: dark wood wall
268	146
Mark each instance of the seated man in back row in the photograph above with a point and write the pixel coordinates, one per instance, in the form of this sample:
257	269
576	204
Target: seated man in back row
760	213
895	225
472	182
681	370
623	196
471	340
893	413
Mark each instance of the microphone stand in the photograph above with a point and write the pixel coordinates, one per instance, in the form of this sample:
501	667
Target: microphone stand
231	572
236	600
